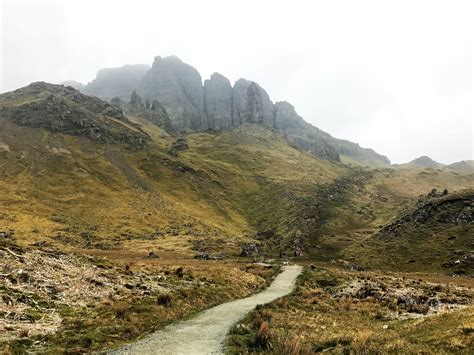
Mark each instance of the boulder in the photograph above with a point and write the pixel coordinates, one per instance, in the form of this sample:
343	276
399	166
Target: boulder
249	249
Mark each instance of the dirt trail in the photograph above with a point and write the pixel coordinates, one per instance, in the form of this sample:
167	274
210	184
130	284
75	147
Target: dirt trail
205	333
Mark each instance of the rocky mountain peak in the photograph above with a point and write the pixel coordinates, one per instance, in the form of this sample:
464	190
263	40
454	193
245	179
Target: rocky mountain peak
191	105
178	87
66	110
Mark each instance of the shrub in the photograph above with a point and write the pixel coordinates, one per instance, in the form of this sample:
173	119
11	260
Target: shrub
120	311
164	299
263	337
180	272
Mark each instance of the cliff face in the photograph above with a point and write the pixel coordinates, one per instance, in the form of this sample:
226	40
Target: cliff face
187	105
178	87
218	102
251	104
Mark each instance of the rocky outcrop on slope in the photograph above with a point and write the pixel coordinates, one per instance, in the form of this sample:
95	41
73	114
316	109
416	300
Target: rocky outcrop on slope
178	87
153	112
218	102
65	110
435	208
437	231
251	104
116	82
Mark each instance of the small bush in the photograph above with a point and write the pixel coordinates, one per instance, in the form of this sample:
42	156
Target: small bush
164	299
260	317
120	312
180	272
263	337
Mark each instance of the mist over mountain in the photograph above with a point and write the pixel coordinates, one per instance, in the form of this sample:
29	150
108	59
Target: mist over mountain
216	104
116	82
200	203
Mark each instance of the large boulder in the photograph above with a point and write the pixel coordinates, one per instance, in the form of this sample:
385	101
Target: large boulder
178	87
218	101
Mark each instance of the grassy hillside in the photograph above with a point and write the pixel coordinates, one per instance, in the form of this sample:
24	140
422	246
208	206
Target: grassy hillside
77	177
360	202
434	234
77	192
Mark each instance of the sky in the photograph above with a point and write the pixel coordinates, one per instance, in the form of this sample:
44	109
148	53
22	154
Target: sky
395	76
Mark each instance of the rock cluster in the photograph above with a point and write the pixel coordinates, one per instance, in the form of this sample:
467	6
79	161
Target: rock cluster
218	102
178	145
249	249
191	106
178	87
403	298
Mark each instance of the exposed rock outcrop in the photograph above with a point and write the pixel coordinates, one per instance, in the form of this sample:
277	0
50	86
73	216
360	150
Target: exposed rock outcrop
218	102
251	104
65	110
153	112
178	87
183	104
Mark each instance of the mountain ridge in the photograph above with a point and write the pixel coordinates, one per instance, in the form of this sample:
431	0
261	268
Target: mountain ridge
193	105
464	167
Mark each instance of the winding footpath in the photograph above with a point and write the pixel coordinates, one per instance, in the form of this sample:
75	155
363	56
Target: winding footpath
206	332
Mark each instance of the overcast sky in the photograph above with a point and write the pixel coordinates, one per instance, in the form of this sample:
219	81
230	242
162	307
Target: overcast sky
396	76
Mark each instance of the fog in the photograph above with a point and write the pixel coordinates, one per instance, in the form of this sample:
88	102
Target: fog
395	76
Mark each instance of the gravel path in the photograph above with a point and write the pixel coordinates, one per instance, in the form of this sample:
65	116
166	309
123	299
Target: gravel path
206	332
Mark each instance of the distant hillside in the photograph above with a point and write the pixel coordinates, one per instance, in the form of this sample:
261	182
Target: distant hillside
465	167
217	105
424	162
435	234
77	173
